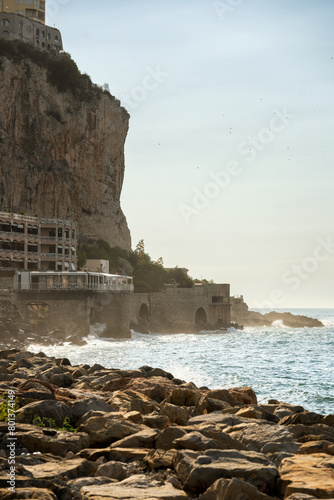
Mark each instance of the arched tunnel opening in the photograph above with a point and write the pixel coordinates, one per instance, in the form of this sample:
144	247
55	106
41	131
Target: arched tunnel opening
201	318
144	314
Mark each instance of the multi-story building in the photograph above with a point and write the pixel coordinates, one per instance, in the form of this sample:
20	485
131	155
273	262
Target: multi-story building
34	244
17	27
32	9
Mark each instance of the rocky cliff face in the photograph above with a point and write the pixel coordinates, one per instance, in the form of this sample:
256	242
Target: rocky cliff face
61	153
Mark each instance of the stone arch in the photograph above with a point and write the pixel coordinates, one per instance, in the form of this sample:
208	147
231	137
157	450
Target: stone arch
144	313
201	317
5	22
5	34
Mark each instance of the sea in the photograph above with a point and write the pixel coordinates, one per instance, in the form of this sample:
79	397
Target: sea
287	364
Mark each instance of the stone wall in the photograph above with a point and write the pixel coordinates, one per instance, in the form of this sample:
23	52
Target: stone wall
191	309
176	310
69	311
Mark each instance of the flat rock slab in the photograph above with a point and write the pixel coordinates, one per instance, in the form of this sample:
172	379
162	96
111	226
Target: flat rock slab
107	428
72	469
309	474
256	436
198	471
35	440
137	487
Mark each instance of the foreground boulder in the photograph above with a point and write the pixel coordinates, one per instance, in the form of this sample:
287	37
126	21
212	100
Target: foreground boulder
309	474
233	489
136	487
198	471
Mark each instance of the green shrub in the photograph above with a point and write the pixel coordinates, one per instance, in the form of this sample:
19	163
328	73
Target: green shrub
49	423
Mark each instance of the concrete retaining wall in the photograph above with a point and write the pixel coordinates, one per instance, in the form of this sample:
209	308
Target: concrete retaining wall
176	310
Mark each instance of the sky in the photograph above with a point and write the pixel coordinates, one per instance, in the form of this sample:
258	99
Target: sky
229	155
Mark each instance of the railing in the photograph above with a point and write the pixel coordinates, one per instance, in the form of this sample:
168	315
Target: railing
47	287
12	253
18	216
15	216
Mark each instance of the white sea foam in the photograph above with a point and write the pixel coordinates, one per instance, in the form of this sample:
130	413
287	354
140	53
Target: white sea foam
294	368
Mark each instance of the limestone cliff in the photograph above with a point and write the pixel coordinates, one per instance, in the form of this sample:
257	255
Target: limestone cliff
61	151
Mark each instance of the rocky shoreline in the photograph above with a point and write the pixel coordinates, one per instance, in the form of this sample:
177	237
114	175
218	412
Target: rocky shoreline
91	433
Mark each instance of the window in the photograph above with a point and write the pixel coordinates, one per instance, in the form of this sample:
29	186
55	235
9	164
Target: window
5	34
48	36
43	34
5	22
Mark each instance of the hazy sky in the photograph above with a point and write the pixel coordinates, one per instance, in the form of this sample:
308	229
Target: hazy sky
229	157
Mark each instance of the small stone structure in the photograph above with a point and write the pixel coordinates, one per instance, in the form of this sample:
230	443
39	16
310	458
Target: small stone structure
16	27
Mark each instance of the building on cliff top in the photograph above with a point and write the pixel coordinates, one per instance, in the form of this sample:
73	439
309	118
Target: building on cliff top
34	244
28	26
32	9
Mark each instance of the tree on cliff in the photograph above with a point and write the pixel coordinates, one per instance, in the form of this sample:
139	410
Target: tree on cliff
148	276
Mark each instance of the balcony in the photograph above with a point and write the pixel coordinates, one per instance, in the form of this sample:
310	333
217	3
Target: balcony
48	255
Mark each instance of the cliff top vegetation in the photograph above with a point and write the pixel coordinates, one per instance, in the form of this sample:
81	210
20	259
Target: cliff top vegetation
148	275
62	71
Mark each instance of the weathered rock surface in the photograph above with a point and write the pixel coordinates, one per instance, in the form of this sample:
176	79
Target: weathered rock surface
198	471
61	153
233	489
135	487
309	474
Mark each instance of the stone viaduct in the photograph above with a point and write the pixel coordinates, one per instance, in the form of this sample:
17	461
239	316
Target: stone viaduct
176	310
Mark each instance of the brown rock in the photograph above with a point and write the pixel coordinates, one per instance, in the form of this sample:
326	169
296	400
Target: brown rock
304	418
165	438
115	454
309	474
315	432
156	421
113	470
156	459
66	468
183	397
176	414
133	416
107	429
27	494
244	395
224	395
260	433
209	405
207	438
233	489
316	447
198	471
249	412
143	439
62	442
53	410
136	487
